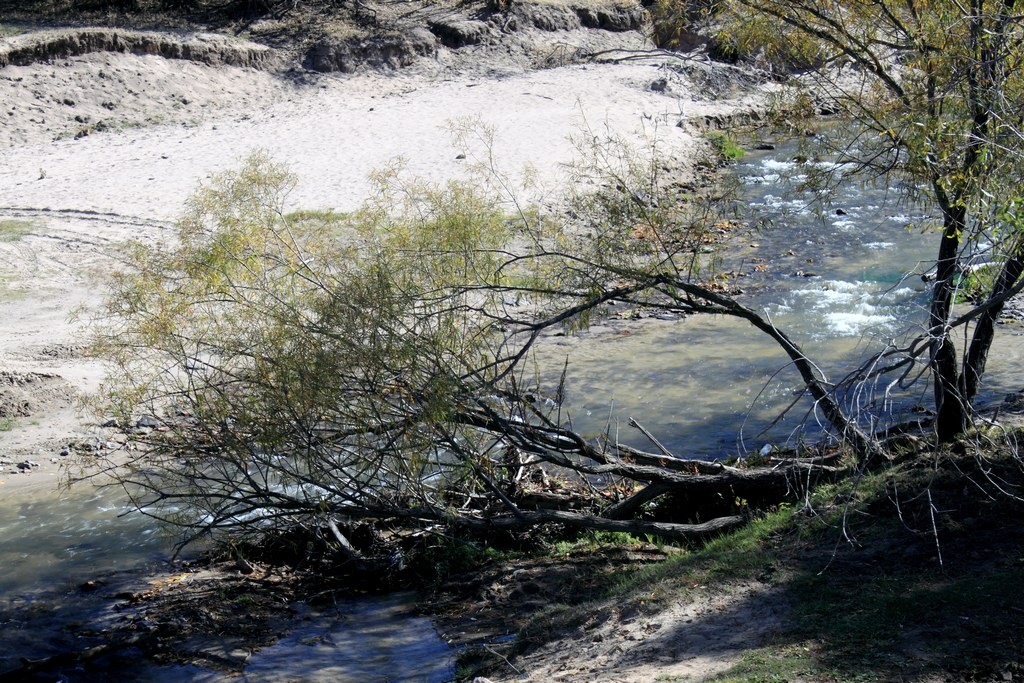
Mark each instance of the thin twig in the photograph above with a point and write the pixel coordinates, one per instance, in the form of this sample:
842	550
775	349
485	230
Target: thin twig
658	444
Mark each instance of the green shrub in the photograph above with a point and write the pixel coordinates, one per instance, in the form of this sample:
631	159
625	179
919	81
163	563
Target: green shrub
726	147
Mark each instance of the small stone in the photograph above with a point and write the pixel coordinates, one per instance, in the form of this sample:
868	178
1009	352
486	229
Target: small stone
147	421
67	101
660	85
460	156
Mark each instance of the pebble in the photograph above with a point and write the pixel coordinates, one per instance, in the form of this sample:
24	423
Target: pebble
147	421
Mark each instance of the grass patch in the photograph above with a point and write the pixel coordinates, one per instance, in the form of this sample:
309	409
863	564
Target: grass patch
8	30
856	570
646	588
775	665
323	216
14	230
869	599
725	145
742	555
845	627
7	424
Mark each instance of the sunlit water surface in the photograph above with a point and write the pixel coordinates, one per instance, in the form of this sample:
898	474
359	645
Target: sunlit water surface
841	279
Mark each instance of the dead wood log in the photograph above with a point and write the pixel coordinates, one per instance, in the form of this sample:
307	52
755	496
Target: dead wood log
687	465
663	529
628	507
527	519
650	437
540	500
345	547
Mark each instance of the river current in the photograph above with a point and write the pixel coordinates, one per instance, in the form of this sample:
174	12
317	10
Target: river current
841	278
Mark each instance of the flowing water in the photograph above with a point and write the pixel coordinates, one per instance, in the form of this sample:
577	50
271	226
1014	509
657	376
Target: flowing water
50	545
839	280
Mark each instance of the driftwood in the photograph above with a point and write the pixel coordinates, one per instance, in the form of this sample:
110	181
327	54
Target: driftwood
527	519
632	526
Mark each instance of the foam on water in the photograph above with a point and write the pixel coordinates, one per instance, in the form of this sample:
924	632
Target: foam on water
845	308
853	323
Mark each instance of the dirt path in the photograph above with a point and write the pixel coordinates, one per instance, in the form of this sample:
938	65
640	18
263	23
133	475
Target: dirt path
702	631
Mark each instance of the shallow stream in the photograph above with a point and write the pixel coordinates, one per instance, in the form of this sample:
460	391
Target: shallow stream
838	280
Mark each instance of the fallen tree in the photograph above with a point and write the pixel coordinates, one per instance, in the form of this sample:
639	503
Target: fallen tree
309	366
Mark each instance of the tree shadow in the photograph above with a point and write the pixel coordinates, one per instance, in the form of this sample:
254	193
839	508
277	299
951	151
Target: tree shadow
928	585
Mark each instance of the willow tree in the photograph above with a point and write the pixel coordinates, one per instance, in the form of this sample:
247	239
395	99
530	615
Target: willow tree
935	92
301	369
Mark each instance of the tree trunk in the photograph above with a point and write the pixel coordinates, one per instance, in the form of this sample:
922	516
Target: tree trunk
951	410
984	331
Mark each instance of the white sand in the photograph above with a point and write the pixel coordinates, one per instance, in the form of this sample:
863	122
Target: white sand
170	124
333	136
